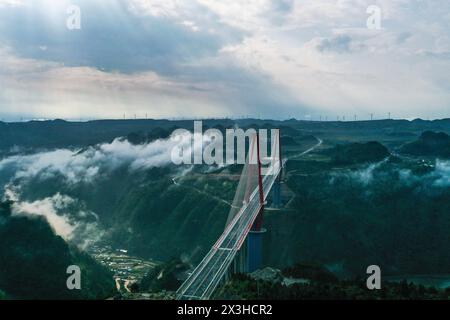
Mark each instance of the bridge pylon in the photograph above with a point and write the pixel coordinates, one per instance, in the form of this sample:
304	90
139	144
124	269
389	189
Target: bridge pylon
276	189
255	236
239	248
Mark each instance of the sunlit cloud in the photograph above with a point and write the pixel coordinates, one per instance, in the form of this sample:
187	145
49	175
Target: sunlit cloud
205	58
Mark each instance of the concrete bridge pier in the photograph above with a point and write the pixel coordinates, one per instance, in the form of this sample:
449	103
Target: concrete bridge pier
276	194
255	249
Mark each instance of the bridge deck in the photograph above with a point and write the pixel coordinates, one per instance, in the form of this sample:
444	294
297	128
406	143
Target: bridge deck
208	274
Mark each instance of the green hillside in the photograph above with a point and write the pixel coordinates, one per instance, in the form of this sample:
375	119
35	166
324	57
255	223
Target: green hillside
34	262
430	143
348	203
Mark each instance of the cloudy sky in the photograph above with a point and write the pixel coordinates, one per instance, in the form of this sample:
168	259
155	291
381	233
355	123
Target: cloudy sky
203	58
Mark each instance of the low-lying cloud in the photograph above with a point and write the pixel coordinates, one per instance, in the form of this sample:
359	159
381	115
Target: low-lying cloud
67	216
86	165
434	175
442	173
366	175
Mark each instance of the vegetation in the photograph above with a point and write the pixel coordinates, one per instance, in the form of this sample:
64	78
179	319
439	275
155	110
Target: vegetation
163	277
313	281
429	144
355	153
244	287
63	134
345	207
34	262
392	214
314	272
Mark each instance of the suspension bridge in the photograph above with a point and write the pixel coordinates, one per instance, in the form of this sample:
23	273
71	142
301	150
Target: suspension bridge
239	248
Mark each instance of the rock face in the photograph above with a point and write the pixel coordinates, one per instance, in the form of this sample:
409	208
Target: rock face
268	274
276	276
436	144
168	276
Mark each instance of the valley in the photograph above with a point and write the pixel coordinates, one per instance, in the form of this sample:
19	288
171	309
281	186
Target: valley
352	197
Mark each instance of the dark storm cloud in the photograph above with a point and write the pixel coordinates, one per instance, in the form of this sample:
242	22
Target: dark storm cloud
111	38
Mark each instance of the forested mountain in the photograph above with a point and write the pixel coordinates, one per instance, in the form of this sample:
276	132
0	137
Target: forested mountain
34	262
350	202
430	143
62	134
358	153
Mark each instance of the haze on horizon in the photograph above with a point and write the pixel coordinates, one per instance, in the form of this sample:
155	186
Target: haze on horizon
203	58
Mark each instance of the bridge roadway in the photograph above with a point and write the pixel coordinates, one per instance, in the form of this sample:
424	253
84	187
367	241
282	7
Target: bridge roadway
207	275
